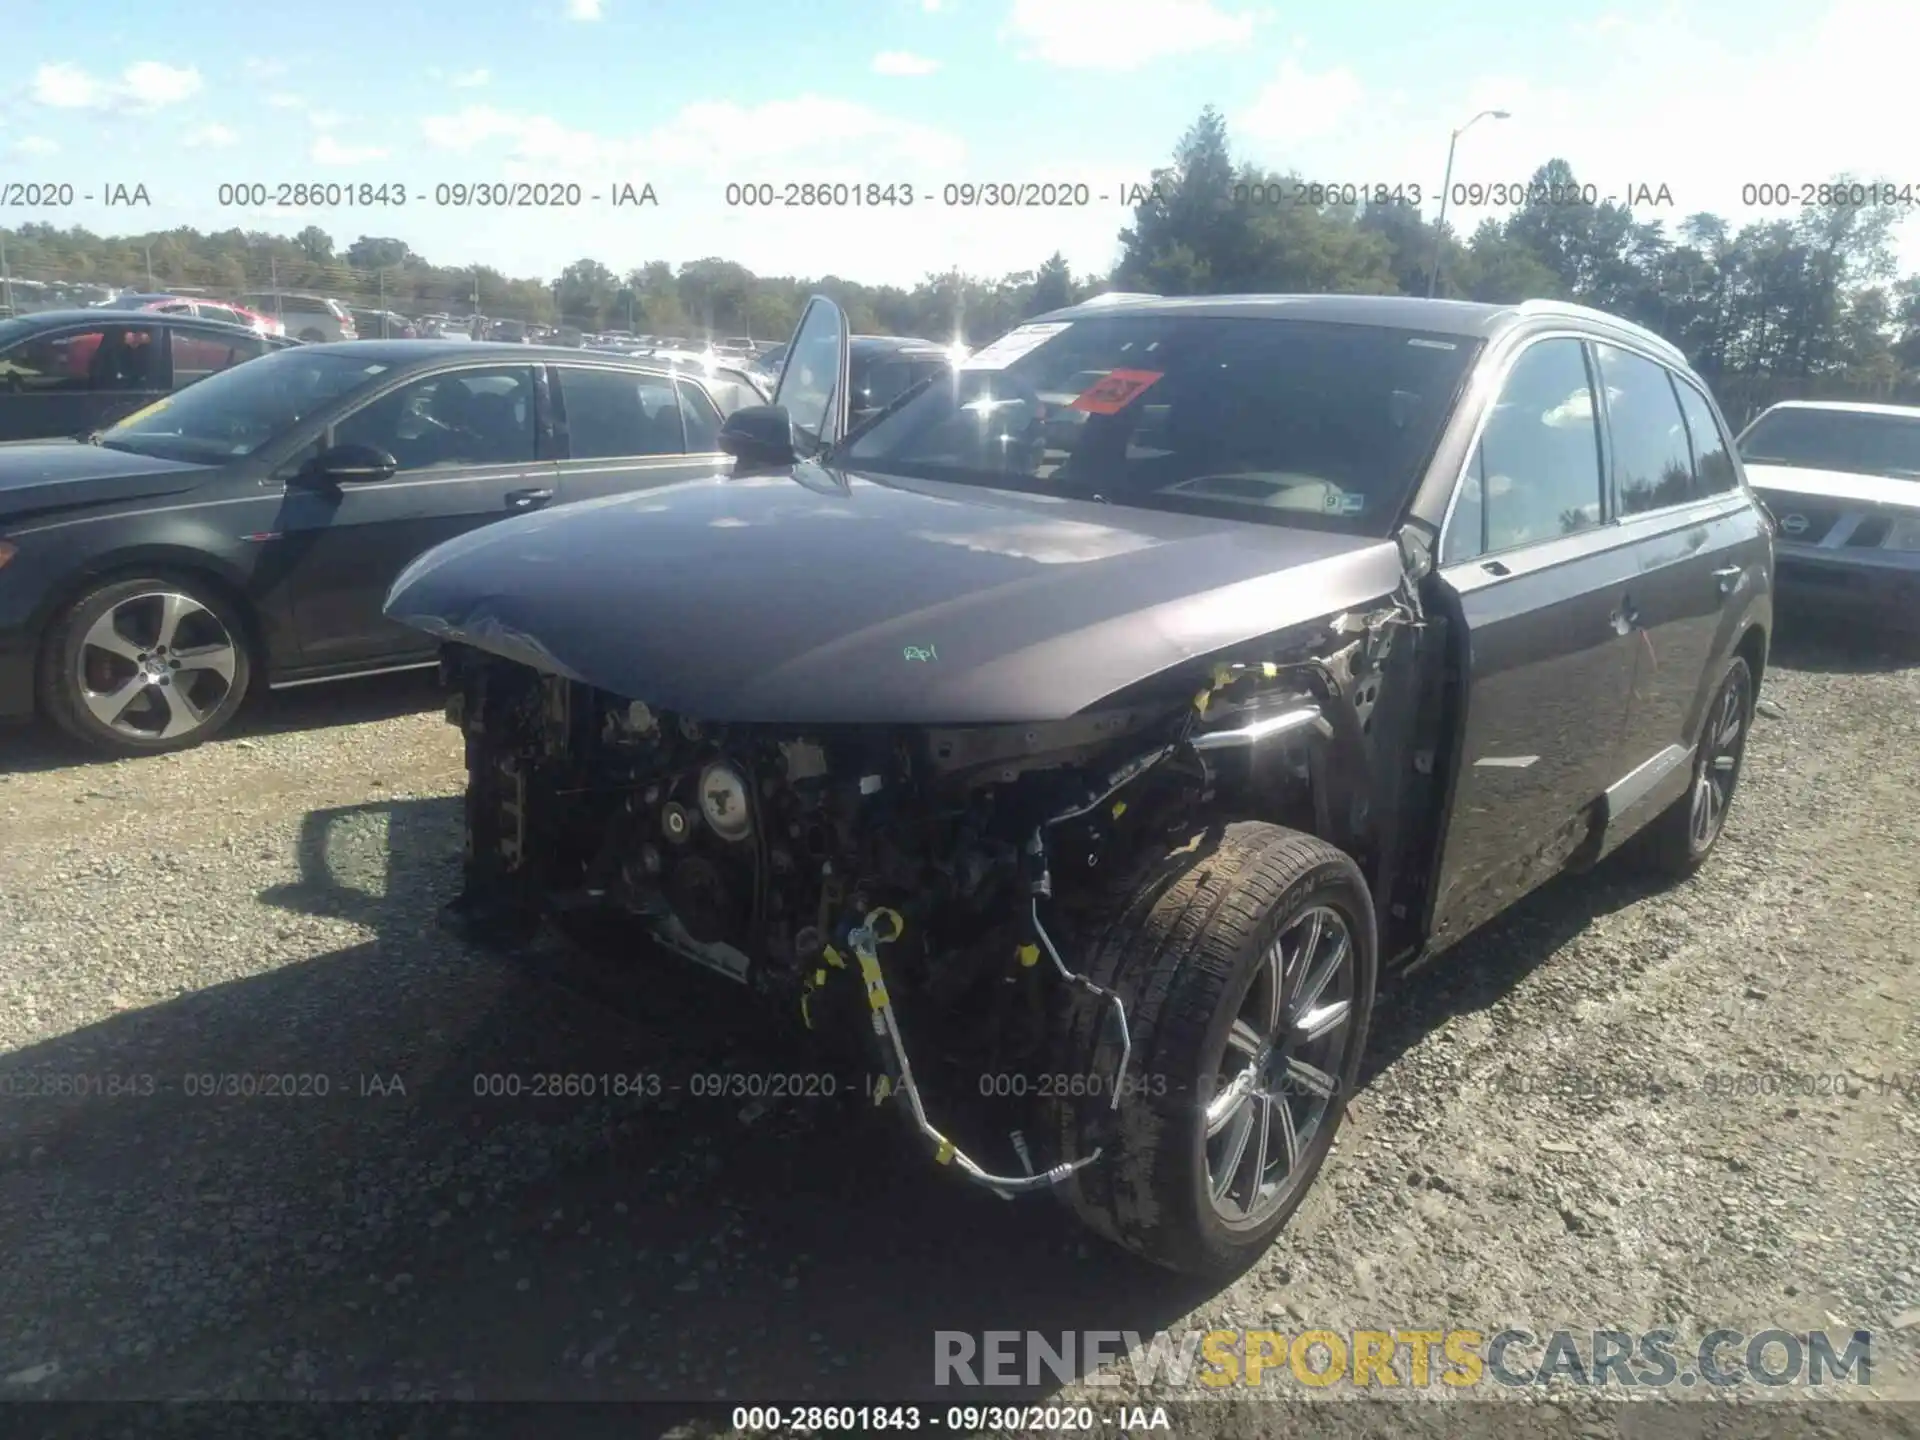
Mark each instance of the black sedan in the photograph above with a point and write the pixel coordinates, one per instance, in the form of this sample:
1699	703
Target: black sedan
246	530
69	372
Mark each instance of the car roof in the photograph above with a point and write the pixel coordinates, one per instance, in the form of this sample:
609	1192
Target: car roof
1852	407
106	315
897	344
420	352
1467	318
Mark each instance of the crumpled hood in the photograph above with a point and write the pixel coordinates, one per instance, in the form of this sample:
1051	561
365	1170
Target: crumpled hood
37	476
817	597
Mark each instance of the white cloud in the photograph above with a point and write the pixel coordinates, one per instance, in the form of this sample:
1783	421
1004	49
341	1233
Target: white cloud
151	83
324	119
329	151
283	100
711	137
261	69
583	9
902	62
144	85
1622	117
35	145
1120	35
472	80
1299	104
68	87
209	137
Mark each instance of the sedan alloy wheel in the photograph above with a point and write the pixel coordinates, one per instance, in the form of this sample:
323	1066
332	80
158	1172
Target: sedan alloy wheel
156	666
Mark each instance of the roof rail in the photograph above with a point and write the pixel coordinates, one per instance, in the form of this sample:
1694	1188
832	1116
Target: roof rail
1116	297
1587	312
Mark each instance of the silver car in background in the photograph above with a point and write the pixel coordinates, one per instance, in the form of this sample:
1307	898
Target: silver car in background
1842	480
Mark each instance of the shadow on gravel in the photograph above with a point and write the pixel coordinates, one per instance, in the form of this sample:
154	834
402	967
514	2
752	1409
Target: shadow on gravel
1489	963
1824	647
37	747
431	1226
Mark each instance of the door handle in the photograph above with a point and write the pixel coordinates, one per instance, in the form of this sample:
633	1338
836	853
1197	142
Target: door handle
1728	576
528	499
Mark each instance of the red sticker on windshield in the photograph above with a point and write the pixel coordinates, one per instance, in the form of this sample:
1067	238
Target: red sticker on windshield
1115	390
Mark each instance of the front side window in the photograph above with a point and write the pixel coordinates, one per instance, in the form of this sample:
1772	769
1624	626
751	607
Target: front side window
1286	421
1712	463
1535	475
469	417
615	413
110	358
1652	461
1859	442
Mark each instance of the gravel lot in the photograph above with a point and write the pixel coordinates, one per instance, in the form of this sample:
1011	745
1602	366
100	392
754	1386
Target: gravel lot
265	905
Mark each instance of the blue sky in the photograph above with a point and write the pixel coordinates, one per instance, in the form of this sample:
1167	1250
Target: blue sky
1701	98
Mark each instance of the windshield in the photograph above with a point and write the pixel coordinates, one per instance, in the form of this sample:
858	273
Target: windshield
1858	441
1289	421
235	412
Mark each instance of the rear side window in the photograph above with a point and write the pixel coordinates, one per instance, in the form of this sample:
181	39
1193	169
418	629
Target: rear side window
1651	457
1535	475
612	413
1712	456
197	354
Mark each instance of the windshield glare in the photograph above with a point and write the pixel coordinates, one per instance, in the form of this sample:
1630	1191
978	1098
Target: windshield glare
1289	421
234	413
1858	442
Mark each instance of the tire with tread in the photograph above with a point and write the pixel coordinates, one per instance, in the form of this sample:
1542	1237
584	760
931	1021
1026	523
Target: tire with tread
1180	943
1667	845
58	696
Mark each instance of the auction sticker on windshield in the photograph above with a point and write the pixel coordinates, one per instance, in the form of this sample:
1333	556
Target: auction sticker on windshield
1114	391
1023	340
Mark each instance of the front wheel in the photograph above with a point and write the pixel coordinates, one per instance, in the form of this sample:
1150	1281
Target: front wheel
1247	963
146	664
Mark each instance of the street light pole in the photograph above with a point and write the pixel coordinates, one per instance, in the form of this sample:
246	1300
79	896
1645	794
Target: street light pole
1446	187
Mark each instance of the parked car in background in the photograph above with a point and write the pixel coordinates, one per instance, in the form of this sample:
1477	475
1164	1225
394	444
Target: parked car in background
70	372
508	332
244	532
1345	622
382	325
1843	483
227	312
881	368
313	319
765	366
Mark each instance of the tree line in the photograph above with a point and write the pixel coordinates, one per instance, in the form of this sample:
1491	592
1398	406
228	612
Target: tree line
1805	305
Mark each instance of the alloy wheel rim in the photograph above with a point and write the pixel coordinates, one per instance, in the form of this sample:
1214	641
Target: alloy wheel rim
1277	1079
156	666
1722	745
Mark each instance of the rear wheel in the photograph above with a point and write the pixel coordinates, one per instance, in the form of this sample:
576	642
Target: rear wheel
1247	964
145	664
1679	840
311	336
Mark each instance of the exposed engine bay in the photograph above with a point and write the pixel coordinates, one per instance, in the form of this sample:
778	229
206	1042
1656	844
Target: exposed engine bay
900	888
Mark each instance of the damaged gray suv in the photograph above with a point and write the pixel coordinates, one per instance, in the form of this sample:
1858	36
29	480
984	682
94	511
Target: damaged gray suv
1085	736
